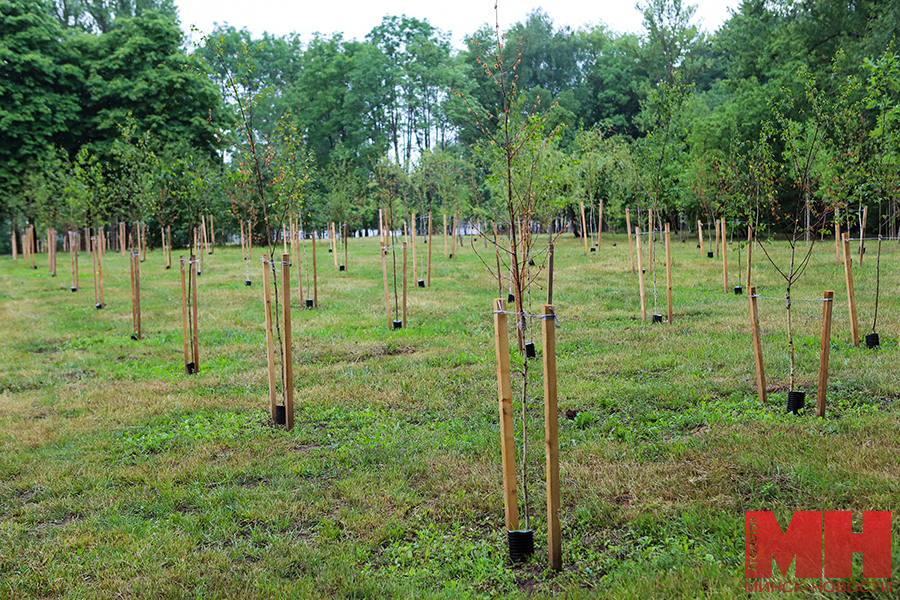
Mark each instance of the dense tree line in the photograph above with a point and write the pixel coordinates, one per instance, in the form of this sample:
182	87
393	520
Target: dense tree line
790	105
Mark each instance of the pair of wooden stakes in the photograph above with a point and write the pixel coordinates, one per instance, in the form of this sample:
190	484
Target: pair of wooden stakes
551	428
825	343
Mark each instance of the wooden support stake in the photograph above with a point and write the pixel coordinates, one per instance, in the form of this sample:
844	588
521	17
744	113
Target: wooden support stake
549	274
430	245
551	439
757	345
651	267
212	233
315	275
827	304
249	239
584	235
851	296
195	316
143	243
404	284
188	368
387	295
445	236
98	283
724	258
862	234
669	273
134	334
270	335
300	243
630	243
455	229
381	226
334	247
600	226
749	253
199	255
717	237
837	235
507	439
169	244
12	241
286	337
137	296
640	270
73	260
413	230
99	270
700	235
243	240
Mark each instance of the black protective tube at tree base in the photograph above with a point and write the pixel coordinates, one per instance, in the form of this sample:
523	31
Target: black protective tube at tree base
738	290
421	283
872	340
796	401
709	255
657	319
248	283
309	303
529	350
521	544
280	414
398	324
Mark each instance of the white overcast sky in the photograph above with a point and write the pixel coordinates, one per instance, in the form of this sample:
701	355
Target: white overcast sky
355	18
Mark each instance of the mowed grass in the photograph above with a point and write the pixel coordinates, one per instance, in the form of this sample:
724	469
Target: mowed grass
121	477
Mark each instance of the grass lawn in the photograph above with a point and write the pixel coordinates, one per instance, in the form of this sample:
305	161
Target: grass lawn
121	477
